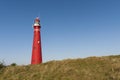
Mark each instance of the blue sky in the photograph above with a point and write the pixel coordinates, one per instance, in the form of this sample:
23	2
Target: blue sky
70	29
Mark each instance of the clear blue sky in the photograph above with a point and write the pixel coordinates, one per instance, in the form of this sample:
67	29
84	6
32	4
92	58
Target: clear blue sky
70	29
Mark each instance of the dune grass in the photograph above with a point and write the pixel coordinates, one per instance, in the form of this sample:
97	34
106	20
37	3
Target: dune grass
92	68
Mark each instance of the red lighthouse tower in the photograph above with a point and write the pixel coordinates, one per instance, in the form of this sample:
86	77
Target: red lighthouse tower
36	48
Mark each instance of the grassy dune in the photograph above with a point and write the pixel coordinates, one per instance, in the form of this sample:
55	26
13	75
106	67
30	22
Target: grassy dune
92	68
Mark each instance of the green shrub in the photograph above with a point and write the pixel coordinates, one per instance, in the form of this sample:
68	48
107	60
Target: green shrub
13	64
2	65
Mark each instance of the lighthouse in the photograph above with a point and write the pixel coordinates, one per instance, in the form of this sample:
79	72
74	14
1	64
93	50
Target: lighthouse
36	47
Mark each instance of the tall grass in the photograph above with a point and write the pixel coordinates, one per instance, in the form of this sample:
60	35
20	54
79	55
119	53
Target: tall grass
92	68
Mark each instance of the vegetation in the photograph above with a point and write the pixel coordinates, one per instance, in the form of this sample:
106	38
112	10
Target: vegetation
2	65
13	64
92	68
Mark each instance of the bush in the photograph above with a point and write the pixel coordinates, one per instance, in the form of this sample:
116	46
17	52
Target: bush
13	64
2	65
